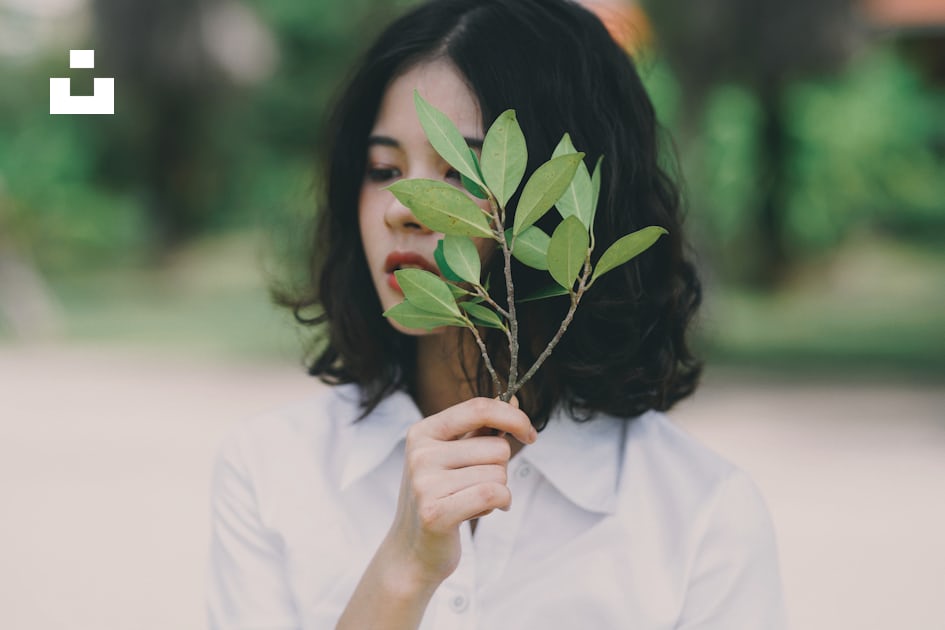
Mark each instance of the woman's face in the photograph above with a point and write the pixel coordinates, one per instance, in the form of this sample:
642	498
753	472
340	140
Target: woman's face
398	149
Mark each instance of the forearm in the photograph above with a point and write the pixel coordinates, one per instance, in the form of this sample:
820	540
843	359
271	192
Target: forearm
388	597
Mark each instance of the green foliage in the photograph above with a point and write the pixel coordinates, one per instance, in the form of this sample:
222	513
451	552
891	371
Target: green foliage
504	157
427	292
864	152
579	198
544	188
627	248
550	291
440	258
447	140
412	316
567	250
531	247
482	316
442	207
430	301
462	257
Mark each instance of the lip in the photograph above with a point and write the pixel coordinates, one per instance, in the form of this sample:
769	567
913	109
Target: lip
397	259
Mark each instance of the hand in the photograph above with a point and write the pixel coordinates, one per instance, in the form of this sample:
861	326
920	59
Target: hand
452	473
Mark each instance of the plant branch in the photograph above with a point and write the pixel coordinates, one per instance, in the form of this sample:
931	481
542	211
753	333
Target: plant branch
485	353
575	298
481	292
498	215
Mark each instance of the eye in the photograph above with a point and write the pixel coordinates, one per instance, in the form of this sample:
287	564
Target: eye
382	174
453	174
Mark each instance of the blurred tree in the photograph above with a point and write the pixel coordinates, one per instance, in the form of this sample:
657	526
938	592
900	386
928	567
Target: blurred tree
174	61
763	45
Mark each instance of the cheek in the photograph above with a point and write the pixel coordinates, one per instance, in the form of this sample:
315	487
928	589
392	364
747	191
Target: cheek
367	219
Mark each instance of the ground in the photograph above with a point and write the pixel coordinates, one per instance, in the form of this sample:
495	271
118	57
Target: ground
105	457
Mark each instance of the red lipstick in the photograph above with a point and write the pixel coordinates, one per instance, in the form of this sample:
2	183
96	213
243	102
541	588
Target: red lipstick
397	260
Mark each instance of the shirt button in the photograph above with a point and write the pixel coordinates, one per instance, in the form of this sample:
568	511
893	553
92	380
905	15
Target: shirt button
524	471
459	603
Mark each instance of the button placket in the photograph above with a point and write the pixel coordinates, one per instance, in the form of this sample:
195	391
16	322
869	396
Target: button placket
459	603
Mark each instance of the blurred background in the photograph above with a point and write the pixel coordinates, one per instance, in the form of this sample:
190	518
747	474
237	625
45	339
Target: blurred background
135	251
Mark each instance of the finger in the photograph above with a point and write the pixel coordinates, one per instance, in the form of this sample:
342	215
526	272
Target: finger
474	501
489	430
481	412
477	451
447	482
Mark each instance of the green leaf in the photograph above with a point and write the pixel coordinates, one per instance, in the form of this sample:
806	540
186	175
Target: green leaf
446	138
595	188
544	187
462	257
459	292
469	184
427	291
482	315
549	291
442	207
504	156
408	315
531	247
578	198
440	260
626	248
473	188
567	251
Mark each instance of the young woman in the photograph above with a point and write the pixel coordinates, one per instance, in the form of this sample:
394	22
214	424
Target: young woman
402	494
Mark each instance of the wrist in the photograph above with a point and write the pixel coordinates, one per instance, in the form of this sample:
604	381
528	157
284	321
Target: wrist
405	577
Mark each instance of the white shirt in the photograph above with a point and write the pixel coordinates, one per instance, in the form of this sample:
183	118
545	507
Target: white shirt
613	524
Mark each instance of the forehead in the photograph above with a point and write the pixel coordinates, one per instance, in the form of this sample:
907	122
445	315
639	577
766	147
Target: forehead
442	86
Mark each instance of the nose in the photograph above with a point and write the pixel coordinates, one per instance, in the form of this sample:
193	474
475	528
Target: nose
399	217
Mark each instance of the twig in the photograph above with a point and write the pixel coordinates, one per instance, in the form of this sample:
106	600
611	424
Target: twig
575	298
481	292
485	353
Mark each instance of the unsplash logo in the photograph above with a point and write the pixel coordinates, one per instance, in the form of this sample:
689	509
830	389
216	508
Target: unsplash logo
61	100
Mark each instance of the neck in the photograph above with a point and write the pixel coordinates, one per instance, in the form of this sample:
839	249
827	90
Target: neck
440	380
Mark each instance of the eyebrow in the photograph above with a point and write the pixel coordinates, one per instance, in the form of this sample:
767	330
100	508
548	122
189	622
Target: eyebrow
387	141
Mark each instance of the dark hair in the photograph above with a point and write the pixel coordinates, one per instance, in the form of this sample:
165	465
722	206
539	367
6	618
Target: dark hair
555	63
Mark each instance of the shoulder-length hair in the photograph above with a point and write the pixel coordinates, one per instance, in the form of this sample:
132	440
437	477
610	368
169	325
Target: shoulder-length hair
553	61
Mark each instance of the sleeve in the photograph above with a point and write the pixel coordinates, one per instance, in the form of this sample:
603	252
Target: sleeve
246	581
735	581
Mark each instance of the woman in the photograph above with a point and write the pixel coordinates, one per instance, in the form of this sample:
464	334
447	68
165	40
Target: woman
371	504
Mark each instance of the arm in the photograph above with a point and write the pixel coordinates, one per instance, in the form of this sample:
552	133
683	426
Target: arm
246	585
447	479
734	582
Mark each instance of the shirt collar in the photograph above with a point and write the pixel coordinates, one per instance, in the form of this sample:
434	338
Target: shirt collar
374	437
581	459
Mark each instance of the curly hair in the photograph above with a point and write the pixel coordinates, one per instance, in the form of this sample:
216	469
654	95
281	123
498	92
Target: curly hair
553	61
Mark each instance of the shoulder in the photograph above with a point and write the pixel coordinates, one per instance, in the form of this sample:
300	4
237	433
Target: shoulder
703	521
670	457
686	488
315	422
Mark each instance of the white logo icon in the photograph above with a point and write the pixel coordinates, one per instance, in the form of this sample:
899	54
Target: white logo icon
61	100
